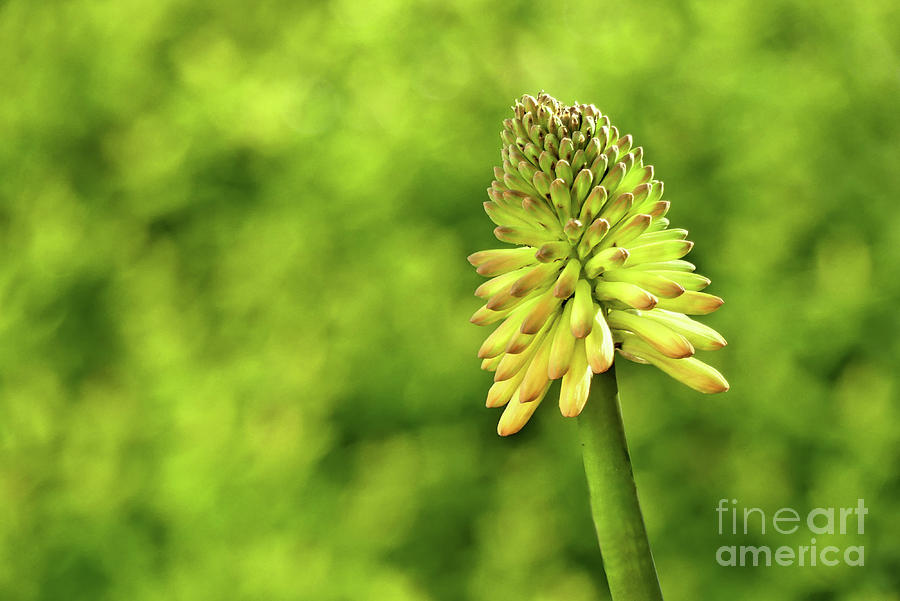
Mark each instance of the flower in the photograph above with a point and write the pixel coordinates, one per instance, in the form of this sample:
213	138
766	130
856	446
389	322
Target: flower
595	268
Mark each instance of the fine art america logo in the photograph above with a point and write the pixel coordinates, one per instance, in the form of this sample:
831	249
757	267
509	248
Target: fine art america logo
821	521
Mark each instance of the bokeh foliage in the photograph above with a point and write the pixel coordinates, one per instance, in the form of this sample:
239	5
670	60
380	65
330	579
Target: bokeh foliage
235	361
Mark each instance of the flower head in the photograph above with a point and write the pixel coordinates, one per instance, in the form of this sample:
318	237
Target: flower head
595	267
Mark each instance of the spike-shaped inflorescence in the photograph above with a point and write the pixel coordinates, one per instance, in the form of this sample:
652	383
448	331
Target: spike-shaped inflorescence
594	267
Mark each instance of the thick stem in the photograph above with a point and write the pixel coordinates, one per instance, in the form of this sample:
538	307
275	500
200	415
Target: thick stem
614	503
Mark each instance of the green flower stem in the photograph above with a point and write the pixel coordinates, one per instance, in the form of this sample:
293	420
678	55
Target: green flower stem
614	502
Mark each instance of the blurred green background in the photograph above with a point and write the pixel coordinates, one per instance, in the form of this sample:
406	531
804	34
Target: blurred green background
235	361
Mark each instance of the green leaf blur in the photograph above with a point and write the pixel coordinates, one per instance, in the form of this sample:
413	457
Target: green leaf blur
235	361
